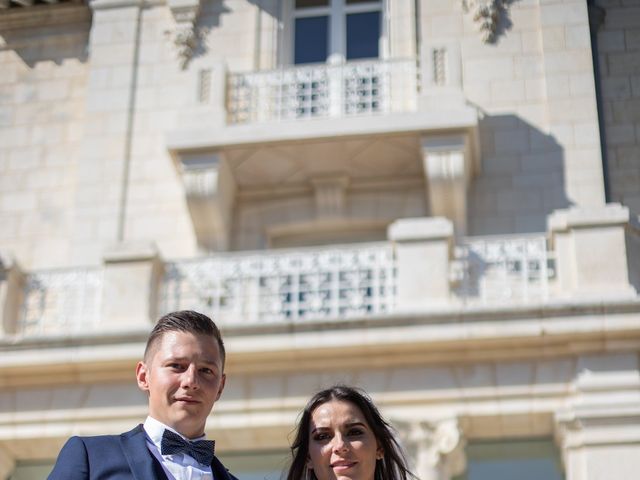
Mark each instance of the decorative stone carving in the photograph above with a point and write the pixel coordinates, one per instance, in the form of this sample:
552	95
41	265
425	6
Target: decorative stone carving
435	448
487	14
185	36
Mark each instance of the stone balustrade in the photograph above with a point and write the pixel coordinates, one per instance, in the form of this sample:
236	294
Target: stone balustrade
422	269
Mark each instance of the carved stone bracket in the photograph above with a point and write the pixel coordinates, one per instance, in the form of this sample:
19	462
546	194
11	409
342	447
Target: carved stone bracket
435	448
448	167
487	14
185	36
210	193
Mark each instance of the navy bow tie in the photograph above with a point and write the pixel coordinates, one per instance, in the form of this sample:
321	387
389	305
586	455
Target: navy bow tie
201	450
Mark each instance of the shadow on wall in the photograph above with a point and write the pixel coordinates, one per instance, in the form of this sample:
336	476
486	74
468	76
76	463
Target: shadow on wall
210	18
521	181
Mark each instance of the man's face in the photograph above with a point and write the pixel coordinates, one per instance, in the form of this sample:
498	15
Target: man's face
183	376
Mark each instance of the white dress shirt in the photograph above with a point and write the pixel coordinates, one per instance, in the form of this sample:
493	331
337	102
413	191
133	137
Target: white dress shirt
178	466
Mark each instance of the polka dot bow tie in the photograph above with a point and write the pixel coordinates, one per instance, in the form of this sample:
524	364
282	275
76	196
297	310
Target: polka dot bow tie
201	450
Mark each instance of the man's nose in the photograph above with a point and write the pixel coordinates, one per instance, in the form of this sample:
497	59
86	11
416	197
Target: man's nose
190	377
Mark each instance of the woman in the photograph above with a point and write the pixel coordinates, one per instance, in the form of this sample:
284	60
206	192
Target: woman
341	435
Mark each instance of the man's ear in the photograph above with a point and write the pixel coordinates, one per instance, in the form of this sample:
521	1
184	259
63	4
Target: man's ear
223	381
142	373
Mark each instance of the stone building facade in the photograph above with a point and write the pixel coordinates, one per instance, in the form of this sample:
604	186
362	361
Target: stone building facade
435	200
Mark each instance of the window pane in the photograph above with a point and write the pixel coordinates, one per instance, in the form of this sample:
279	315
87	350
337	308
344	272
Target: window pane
311	3
363	34
521	459
257	465
351	2
311	39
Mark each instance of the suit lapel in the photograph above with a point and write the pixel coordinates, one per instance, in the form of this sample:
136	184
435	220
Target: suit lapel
141	462
219	471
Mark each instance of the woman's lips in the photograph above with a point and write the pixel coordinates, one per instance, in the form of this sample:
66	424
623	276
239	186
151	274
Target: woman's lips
341	466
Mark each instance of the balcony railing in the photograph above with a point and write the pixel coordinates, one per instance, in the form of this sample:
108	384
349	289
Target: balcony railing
296	286
354	88
61	301
491	270
293	286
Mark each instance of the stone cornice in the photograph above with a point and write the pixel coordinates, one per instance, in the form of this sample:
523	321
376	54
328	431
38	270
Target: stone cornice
44	16
382	342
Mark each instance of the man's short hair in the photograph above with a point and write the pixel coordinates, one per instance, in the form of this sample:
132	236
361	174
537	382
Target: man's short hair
185	321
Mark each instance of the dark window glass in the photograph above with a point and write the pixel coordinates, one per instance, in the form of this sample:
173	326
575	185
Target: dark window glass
351	2
506	460
311	3
363	34
311	39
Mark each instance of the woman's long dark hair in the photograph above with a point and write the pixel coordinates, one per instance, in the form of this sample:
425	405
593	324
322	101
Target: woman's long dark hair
392	466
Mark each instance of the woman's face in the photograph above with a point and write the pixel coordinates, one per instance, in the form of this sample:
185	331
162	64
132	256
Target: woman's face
341	443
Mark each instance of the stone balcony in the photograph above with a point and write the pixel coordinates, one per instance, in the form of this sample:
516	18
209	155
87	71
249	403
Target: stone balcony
396	95
423	270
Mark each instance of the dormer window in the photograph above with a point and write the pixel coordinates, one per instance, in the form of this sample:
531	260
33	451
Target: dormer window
336	31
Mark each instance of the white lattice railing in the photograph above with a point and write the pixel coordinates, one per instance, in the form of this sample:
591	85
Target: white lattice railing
354	88
287	286
61	301
492	270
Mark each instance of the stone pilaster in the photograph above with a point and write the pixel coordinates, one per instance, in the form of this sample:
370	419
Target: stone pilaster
599	431
132	278
106	145
591	254
12	280
423	250
7	464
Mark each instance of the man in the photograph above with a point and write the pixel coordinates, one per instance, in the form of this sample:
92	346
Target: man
183	375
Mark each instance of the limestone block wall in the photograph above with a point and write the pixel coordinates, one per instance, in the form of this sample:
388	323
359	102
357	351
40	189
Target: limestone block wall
43	73
619	52
535	90
130	189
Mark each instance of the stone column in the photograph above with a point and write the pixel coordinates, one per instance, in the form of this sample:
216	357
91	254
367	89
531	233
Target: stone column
12	280
447	168
423	248
591	255
436	449
132	277
599	433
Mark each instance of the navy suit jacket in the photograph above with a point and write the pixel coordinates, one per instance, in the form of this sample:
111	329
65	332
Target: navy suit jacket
115	457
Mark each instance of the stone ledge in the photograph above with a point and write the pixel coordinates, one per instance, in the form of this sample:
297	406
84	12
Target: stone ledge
253	134
131	252
611	214
400	340
420	229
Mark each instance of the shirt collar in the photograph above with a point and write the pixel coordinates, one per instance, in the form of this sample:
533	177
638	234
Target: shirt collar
155	429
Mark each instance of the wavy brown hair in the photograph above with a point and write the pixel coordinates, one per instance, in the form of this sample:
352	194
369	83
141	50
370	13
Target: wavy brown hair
392	466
